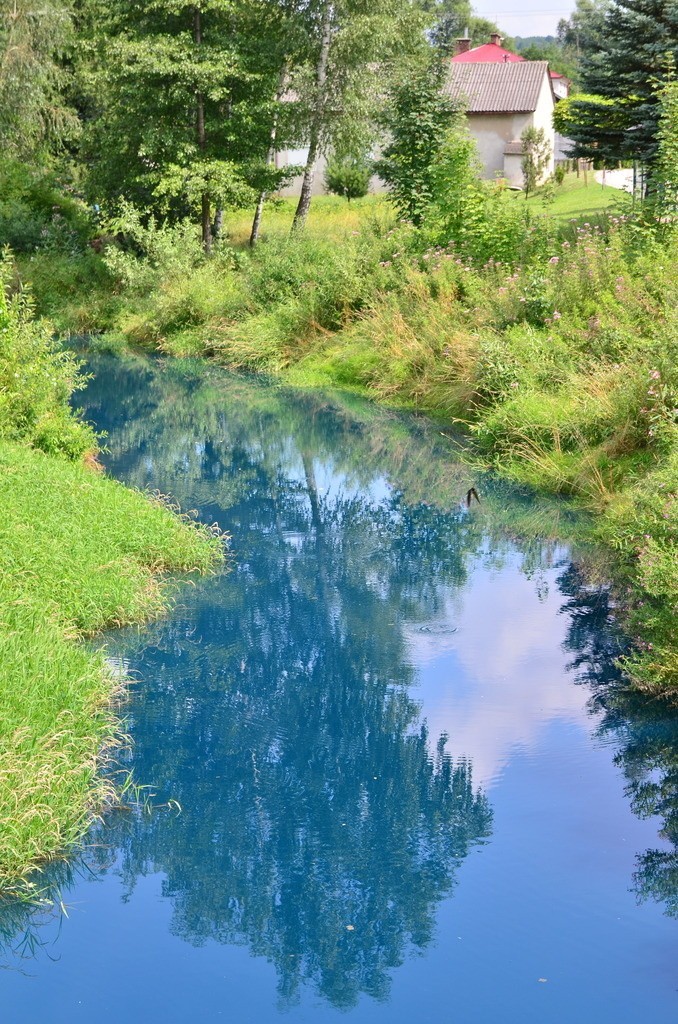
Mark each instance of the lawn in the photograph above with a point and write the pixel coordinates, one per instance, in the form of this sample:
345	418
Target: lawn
333	216
577	198
329	217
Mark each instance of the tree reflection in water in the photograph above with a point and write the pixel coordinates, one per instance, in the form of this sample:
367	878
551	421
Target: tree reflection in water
645	731
321	825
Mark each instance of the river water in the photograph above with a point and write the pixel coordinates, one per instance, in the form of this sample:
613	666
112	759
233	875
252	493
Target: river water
391	773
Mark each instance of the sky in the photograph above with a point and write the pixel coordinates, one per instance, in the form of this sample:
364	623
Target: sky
525	17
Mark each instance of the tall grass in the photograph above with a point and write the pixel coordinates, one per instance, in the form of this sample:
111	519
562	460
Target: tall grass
77	552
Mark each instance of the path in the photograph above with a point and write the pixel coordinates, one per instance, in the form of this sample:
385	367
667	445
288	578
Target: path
622	178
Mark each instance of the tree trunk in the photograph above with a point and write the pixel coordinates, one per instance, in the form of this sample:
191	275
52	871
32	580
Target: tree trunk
258	213
318	115
218	225
201	135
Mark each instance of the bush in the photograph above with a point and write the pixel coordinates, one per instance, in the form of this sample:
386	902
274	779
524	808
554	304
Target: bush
36	214
37	379
348	177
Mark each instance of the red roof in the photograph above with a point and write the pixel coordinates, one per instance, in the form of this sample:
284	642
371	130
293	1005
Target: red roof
485	54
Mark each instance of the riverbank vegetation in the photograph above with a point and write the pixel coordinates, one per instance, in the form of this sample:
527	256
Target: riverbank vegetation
78	552
555	345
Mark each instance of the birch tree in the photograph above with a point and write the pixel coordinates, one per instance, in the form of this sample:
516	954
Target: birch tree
352	46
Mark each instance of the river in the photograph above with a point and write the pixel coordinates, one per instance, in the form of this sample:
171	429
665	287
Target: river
392	773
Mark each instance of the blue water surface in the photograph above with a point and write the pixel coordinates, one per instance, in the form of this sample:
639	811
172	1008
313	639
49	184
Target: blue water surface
393	774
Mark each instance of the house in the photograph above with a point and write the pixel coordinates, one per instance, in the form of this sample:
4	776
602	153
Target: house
494	51
508	96
502	98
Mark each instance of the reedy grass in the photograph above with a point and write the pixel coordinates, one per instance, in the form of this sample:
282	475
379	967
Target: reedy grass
77	552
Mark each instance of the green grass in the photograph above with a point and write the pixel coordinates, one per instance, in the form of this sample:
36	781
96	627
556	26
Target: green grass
77	552
329	217
578	198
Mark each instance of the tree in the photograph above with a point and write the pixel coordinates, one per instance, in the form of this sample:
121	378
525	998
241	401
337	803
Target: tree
416	119
348	176
176	91
342	82
580	33
666	164
33	40
625	63
560	59
453	19
536	157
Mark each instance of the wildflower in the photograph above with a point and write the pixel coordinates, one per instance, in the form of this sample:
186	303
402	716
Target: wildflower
557	315
655	374
554	259
514	383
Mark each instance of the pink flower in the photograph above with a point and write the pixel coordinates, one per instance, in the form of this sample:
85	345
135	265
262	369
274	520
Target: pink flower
554	259
557	315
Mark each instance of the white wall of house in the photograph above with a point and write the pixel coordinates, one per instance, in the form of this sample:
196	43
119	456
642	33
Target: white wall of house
299	156
493	132
543	118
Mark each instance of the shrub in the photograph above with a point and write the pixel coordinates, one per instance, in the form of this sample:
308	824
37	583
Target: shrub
348	177
37	379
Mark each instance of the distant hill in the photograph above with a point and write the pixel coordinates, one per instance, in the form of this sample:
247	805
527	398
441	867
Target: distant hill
522	42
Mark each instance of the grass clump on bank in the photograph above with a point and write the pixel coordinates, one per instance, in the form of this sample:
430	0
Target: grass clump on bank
77	552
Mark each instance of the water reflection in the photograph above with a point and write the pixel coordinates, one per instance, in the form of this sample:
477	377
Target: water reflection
320	823
644	730
322	820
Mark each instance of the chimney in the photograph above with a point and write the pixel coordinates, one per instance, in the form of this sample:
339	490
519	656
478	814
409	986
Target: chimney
462	45
496	39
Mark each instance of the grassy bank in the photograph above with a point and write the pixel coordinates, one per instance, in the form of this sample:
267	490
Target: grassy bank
553	341
77	552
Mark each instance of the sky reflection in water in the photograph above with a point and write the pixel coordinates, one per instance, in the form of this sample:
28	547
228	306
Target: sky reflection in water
393	729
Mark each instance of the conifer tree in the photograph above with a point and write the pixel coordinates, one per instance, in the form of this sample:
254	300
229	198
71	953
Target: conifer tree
626	66
33	39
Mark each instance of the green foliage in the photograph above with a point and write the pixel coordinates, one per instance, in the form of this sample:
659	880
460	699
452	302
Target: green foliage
416	120
148	250
33	41
536	157
37	378
178	119
628	58
77	552
452	19
37	212
665	174
348	176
